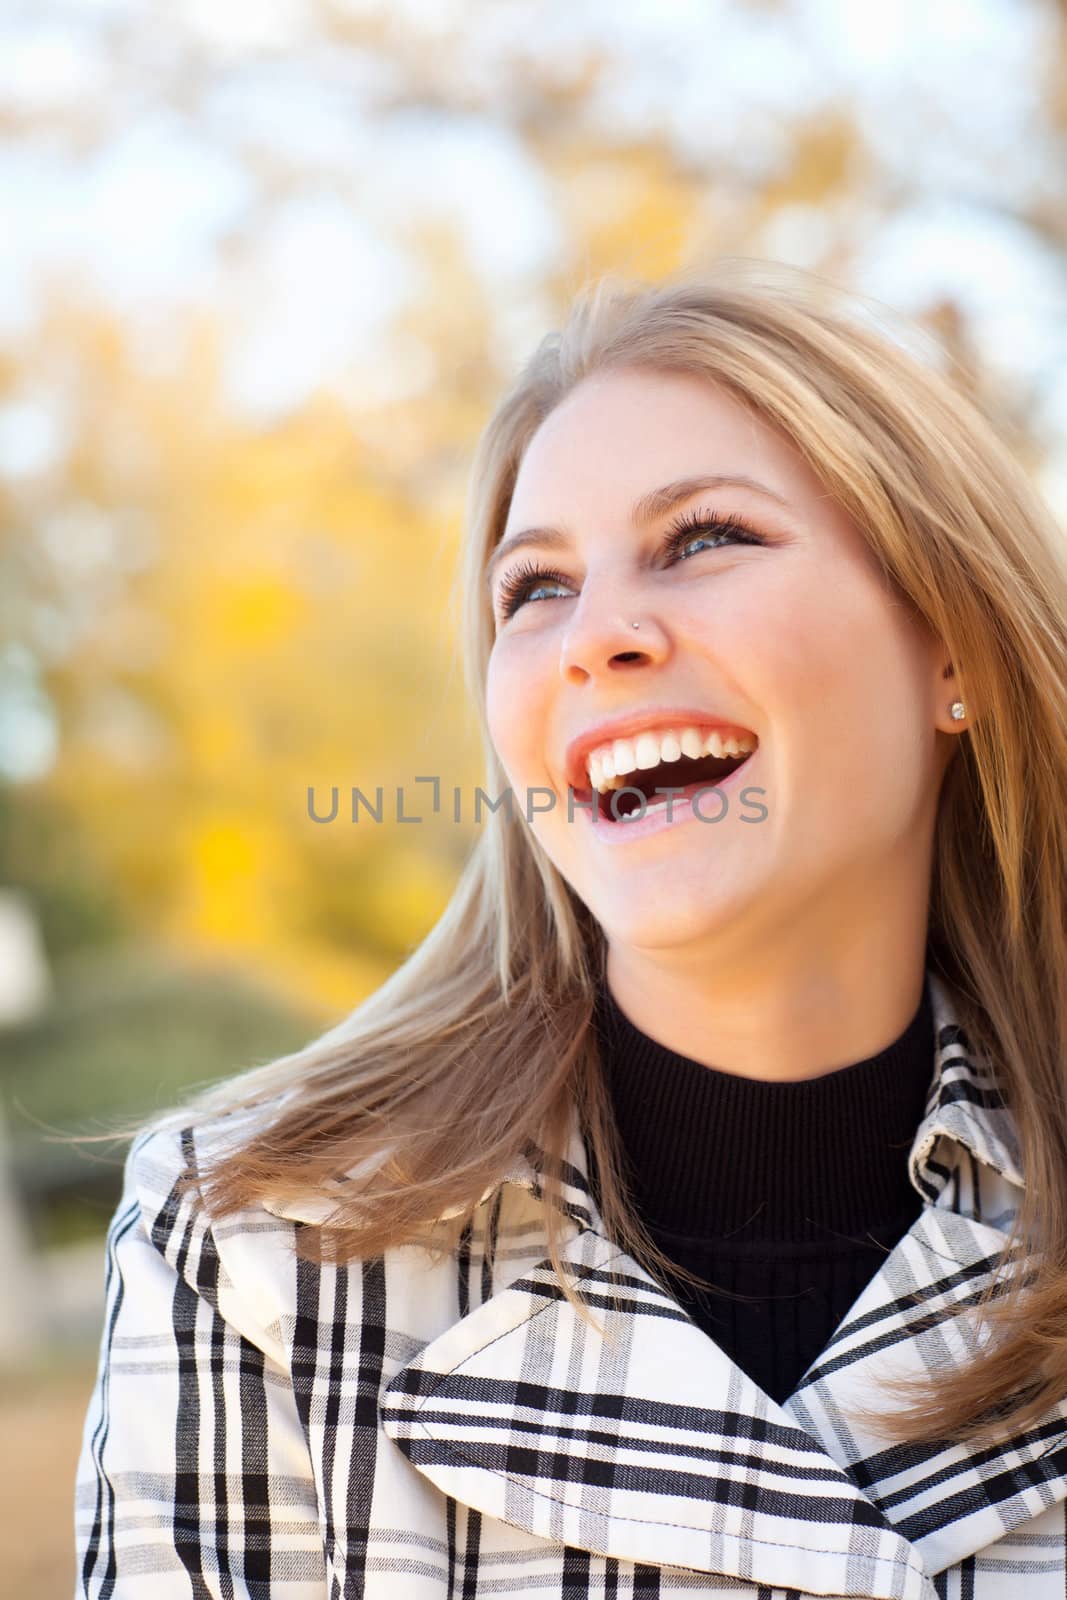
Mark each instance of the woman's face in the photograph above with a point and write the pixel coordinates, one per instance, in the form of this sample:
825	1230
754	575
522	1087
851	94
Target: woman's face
796	639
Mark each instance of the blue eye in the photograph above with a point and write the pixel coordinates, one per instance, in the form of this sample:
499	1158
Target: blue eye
524	580
685	529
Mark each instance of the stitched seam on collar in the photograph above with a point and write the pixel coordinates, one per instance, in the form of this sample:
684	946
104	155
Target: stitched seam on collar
607	1517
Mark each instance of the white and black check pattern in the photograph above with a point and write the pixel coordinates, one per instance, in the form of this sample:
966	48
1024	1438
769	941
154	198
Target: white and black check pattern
262	1427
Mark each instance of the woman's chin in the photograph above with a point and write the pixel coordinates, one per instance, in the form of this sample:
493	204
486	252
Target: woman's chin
665	918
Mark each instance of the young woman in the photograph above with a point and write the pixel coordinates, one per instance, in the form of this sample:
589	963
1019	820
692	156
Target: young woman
689	1211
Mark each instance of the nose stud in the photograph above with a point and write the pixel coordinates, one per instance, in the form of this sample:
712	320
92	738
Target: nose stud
635	624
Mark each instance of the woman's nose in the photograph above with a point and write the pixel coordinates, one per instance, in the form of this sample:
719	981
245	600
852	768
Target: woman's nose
608	638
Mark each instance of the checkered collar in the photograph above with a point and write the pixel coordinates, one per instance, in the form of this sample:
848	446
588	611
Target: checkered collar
652	1445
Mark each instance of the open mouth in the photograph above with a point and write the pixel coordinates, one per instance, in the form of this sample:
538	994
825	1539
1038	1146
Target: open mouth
684	777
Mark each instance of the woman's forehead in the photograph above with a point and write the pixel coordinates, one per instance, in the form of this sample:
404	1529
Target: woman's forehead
622	436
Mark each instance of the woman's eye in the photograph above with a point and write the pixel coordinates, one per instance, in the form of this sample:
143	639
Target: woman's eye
522	584
528	580
699	528
696	538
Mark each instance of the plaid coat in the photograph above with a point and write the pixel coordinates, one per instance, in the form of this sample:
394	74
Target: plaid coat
261	1427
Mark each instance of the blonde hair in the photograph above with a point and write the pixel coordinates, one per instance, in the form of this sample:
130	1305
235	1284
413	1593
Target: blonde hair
507	977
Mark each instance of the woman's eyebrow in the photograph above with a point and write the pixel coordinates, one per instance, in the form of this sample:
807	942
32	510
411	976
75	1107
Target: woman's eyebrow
647	509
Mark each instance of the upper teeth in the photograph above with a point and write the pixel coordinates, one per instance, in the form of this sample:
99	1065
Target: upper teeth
609	763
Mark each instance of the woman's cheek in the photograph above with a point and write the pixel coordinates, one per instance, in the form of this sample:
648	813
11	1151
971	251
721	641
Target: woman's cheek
516	703
495	704
507	712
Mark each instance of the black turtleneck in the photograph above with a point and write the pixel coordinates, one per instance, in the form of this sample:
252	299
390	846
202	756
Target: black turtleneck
788	1194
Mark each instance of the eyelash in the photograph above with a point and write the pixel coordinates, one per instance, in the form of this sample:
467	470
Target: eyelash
682	531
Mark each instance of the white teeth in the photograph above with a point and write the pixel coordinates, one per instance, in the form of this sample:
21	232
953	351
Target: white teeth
609	765
716	745
647	750
625	760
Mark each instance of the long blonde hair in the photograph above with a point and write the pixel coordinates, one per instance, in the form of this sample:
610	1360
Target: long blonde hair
478	1047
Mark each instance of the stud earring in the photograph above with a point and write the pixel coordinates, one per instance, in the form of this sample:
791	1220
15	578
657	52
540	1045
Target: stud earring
957	710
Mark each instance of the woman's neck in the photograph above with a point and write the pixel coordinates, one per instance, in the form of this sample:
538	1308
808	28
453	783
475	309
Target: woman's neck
788	1023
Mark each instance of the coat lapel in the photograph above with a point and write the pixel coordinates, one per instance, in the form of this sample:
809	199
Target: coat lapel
948	1500
651	1444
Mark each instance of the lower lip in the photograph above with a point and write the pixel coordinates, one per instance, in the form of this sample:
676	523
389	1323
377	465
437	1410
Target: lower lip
681	810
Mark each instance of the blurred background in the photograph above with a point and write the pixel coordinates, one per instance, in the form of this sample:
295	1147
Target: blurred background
266	267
